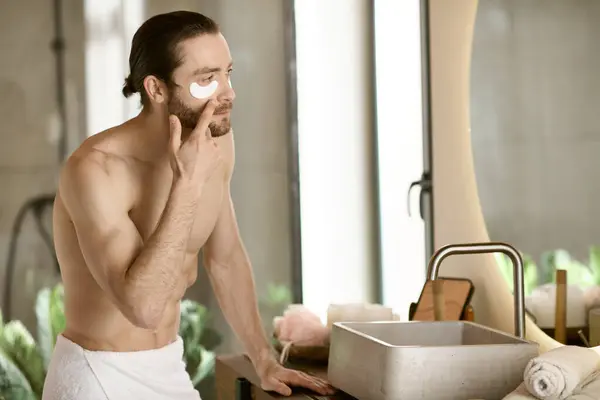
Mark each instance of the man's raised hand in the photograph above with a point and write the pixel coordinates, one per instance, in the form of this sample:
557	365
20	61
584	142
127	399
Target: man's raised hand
197	157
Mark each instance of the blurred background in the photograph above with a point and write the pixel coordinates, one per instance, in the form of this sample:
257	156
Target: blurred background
534	100
306	186
334	144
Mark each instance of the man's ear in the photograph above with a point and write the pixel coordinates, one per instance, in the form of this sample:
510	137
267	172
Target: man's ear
155	89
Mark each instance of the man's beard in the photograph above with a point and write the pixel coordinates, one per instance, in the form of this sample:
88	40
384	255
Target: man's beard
189	117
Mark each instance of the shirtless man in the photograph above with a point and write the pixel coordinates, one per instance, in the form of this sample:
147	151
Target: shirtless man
135	205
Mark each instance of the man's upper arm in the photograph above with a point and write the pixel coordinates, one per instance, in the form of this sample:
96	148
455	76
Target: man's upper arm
108	239
225	239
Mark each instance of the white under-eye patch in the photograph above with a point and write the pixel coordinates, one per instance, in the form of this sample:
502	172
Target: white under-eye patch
202	92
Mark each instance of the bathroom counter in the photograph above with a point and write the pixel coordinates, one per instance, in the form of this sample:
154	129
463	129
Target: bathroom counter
230	368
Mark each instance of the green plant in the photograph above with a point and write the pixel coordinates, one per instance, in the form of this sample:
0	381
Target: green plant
24	361
578	273
50	314
594	263
278	296
22	369
199	341
530	275
273	303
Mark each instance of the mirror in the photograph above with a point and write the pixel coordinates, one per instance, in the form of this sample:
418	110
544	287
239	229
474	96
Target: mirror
535	99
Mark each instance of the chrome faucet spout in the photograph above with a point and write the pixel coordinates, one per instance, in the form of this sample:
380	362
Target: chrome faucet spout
492	247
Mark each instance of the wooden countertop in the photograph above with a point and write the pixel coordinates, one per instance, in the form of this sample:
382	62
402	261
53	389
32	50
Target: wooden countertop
232	367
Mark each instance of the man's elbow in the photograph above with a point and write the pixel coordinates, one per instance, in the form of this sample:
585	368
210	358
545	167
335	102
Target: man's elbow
147	316
144	312
140	307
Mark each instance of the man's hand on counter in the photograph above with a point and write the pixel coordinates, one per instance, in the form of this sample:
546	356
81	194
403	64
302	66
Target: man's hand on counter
274	377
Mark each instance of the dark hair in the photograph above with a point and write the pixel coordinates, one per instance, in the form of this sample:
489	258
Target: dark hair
154	47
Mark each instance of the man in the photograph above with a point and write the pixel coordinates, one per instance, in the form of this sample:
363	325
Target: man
135	205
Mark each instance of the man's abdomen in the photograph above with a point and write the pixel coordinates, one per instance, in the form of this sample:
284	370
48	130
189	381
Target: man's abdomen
105	328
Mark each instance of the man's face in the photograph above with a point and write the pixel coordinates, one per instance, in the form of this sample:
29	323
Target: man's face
205	59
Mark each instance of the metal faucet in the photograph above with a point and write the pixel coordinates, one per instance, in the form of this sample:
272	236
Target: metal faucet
492	247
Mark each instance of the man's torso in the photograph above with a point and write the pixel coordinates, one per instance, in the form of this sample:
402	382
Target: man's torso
93	321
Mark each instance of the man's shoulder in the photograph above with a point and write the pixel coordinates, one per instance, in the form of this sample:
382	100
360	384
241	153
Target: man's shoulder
92	162
101	153
92	170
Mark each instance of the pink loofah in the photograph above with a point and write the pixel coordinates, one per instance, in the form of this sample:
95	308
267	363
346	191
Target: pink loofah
300	326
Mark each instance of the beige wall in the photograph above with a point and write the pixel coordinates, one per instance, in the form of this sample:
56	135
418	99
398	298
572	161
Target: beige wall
534	112
28	111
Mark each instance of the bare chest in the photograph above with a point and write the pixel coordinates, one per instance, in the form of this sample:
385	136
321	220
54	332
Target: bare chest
154	195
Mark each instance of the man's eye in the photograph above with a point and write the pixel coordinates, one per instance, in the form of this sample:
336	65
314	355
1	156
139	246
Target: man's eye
230	71
209	79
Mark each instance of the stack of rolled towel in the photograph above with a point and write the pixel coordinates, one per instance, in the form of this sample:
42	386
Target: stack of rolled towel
568	372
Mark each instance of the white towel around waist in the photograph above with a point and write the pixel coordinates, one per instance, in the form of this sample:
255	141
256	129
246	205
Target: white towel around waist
77	374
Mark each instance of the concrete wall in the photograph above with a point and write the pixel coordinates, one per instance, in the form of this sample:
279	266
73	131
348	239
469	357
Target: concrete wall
29	128
534	104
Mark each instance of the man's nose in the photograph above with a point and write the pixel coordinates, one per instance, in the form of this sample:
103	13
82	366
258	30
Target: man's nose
228	94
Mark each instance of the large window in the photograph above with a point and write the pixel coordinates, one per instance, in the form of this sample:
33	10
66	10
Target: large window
110	25
335	145
342	165
400	149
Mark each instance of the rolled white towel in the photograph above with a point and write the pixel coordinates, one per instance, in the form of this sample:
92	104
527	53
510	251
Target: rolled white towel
590	389
554	375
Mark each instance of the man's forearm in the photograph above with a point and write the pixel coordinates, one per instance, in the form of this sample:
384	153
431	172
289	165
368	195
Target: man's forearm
157	270
234	287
